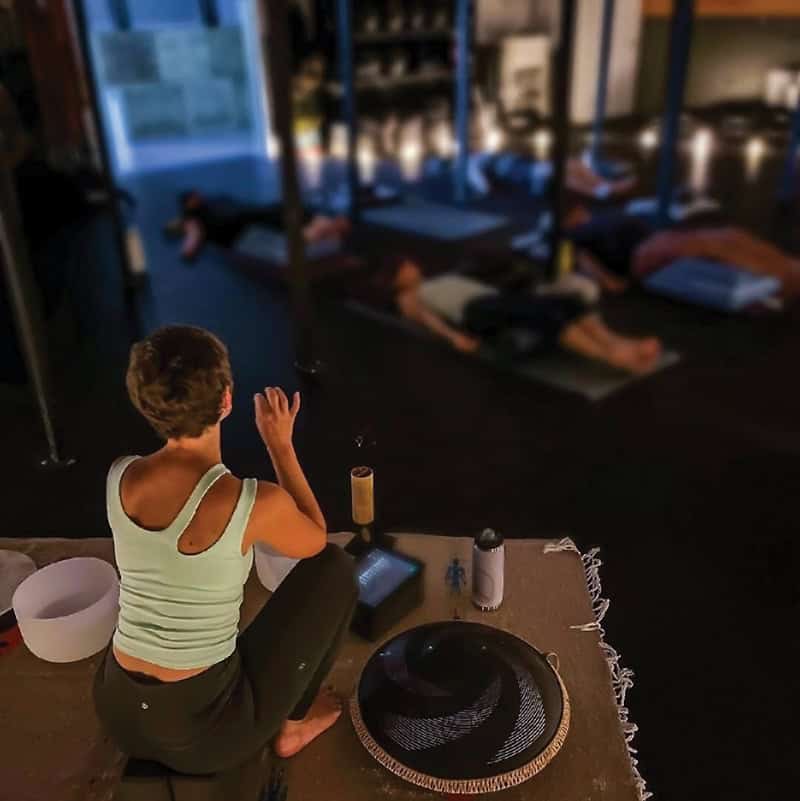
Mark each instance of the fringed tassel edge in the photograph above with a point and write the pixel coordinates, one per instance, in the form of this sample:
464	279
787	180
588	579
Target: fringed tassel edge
621	677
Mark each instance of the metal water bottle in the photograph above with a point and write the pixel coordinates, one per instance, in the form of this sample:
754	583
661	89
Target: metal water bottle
488	570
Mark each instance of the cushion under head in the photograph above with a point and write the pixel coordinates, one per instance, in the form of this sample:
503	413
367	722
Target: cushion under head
460	707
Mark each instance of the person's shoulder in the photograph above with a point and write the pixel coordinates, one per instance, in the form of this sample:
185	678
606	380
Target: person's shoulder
271	501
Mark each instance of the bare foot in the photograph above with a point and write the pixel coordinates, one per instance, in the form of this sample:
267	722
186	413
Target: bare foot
321	229
634	357
297	734
193	239
465	343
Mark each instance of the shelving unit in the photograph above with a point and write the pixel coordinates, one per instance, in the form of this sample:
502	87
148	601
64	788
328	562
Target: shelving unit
388	83
418	35
403	36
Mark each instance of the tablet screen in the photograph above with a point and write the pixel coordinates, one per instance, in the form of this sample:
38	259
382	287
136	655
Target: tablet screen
380	573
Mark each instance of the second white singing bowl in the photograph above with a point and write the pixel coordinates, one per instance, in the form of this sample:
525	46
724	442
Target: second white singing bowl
271	567
68	610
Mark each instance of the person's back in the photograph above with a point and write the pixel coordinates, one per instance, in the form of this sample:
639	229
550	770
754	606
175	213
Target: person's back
180	683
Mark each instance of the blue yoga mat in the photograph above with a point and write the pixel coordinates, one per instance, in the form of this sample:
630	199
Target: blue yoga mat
434	220
267	244
710	283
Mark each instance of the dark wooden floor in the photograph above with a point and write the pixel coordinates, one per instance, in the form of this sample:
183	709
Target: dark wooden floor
687	481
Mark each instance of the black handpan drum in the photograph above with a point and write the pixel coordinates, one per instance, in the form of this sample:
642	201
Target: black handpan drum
461	708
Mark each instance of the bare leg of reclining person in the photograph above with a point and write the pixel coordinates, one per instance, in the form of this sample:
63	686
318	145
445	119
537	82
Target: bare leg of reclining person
590	336
551	319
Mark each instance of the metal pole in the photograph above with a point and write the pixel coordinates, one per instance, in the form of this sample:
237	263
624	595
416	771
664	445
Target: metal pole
679	50
280	81
463	15
602	82
562	83
790	171
117	221
345	35
27	311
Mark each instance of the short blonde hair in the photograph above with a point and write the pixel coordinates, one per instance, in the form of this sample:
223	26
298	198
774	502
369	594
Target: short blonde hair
177	378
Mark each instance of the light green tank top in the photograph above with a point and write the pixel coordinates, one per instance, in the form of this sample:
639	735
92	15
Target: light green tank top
176	610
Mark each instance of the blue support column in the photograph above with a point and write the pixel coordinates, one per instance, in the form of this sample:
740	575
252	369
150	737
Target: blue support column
560	114
602	82
349	110
679	50
463	21
789	179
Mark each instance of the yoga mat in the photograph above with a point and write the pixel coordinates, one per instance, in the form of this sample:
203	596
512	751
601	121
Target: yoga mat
557	368
434	220
567	371
267	244
53	747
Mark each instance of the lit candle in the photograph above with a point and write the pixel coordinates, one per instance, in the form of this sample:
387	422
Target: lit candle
444	144
338	141
754	152
701	148
411	158
312	167
367	161
494	140
648	139
542	140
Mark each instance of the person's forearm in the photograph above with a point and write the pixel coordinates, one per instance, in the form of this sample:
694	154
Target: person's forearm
434	323
291	477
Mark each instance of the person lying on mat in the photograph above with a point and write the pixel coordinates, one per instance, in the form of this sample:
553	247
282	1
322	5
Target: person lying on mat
464	312
614	248
579	176
222	221
180	683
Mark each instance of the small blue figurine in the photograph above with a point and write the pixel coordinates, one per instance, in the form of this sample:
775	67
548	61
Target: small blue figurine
456	576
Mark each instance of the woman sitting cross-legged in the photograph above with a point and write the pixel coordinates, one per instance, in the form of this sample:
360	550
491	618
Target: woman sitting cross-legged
464	312
180	684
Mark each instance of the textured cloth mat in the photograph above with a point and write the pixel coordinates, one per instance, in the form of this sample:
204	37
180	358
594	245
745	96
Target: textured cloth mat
53	748
434	220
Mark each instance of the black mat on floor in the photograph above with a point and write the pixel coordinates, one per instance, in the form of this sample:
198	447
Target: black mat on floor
556	368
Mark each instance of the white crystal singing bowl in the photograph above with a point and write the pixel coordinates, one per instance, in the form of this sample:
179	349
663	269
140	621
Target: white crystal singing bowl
68	610
271	567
